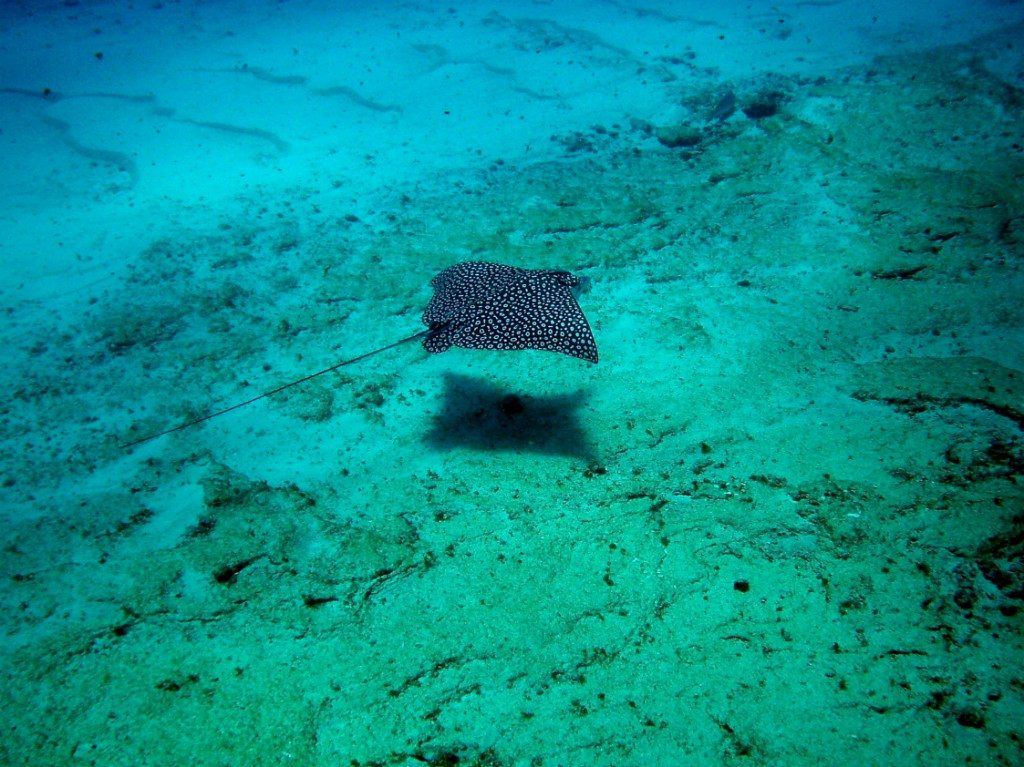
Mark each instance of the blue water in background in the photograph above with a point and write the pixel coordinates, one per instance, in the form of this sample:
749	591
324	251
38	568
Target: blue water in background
788	493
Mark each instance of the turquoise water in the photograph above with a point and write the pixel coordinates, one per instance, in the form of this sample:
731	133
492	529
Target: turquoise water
780	521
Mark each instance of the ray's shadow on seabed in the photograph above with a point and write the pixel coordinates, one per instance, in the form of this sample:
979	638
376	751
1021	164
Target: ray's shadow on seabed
478	415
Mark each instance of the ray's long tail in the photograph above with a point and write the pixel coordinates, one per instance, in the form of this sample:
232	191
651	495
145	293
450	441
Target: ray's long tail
422	334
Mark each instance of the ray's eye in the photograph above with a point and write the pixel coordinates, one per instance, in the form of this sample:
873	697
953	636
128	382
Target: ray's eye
583	285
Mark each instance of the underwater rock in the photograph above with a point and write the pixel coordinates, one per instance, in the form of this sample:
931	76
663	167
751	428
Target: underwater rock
641	125
765	105
676	136
725	108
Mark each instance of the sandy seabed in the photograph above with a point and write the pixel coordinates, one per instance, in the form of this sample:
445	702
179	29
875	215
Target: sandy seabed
781	522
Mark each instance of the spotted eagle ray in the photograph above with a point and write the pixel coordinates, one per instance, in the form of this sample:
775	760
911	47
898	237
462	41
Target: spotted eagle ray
479	305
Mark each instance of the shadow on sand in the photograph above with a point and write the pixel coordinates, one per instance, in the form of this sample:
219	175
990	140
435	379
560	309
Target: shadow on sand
478	415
